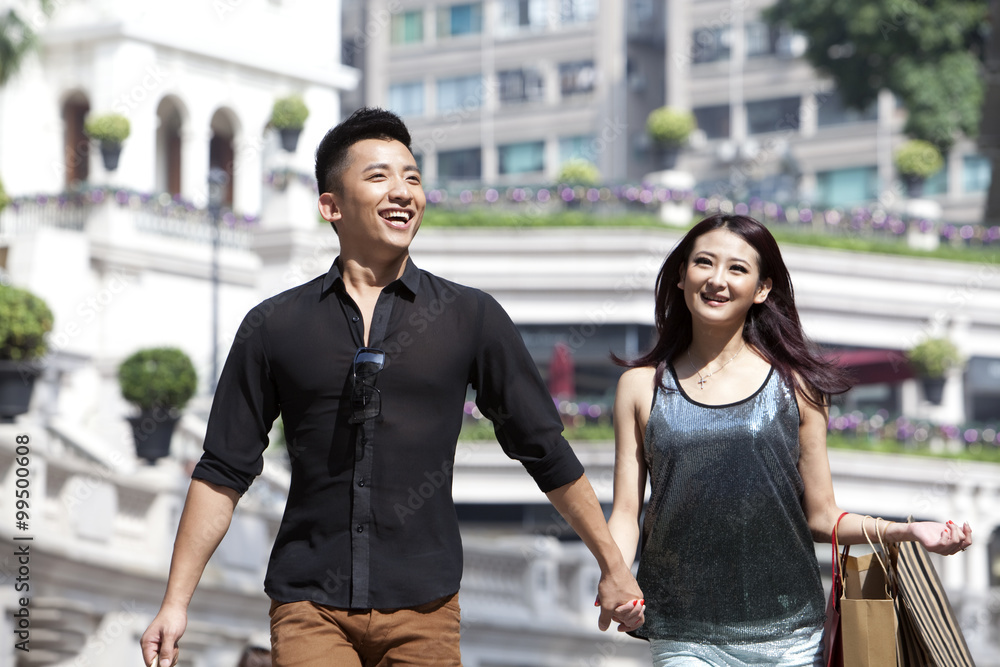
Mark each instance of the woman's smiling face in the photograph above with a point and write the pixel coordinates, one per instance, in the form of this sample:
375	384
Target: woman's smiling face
721	279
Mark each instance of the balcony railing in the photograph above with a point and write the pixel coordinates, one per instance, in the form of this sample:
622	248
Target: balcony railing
160	215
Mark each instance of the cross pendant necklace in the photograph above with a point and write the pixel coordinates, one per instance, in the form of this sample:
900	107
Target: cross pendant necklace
703	378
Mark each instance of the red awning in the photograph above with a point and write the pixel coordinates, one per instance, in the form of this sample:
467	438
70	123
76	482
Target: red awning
874	366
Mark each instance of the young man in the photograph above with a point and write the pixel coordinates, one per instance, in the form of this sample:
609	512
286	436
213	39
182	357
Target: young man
357	576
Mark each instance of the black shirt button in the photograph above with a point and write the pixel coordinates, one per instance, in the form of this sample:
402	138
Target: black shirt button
355	318
361	482
361	528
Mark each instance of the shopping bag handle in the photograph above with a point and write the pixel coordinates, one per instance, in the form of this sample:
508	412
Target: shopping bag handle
879	553
837	566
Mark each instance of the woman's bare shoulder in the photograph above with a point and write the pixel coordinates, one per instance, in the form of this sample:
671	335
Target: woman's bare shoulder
637	382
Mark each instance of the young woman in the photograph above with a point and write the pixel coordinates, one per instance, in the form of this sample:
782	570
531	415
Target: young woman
727	415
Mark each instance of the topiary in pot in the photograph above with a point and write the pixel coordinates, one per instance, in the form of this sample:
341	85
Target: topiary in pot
4	199
109	130
931	360
25	321
669	128
288	116
579	171
159	381
916	161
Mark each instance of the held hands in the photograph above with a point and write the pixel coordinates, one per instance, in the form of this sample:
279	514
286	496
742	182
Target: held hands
623	601
942	538
628	616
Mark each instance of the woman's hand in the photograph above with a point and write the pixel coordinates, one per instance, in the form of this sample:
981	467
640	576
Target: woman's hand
629	616
942	538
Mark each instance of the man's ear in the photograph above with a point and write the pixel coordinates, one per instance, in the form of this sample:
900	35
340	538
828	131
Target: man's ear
763	289
329	209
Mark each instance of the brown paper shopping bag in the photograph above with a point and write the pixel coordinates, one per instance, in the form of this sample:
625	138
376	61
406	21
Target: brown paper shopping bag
868	625
928	626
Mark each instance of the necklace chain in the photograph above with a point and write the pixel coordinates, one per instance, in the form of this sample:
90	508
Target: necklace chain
702	378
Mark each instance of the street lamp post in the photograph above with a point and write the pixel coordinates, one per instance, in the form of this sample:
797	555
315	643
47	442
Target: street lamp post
217	181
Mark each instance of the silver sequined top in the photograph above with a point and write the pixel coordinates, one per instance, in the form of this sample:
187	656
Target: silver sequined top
727	555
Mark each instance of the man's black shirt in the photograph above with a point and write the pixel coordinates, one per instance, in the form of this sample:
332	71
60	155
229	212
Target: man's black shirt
377	530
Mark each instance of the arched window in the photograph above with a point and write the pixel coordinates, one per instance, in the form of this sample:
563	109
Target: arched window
168	145
76	145
221	152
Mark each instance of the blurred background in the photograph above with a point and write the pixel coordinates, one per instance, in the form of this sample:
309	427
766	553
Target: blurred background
156	164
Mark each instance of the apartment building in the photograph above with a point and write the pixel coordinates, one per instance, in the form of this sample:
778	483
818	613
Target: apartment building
504	91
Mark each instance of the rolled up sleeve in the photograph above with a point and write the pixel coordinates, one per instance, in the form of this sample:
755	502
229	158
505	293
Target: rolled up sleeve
511	393
243	410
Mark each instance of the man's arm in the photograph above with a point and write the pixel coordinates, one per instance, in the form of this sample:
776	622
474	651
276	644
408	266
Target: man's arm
617	590
208	511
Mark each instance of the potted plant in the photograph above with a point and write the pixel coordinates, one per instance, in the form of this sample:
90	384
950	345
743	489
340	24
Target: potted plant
579	171
931	360
916	161
288	116
159	381
669	128
109	130
25	320
576	175
4	199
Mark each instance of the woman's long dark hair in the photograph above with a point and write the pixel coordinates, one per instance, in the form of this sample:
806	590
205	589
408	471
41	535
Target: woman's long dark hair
772	327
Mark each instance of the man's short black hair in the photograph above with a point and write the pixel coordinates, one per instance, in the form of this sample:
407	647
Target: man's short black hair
365	123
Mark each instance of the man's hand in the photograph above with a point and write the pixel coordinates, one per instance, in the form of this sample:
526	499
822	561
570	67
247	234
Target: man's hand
160	640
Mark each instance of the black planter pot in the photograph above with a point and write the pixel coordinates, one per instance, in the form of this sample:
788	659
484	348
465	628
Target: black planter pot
289	138
666	155
914	186
933	389
109	153
152	431
17	380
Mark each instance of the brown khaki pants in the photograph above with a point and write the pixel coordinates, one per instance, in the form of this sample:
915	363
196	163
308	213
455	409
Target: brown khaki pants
309	634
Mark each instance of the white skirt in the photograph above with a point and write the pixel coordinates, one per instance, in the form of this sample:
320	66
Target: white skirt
803	648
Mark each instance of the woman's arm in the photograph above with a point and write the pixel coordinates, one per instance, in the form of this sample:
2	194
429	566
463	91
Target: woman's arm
821	507
631	411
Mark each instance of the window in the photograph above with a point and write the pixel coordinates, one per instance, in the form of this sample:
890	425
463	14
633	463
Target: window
775	115
709	45
576	147
843	187
713	121
460	92
576	78
520	85
461	165
408	27
407	99
830	110
522	158
937	184
761	39
168	146
517	15
976	173
76	145
577	11
457	20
